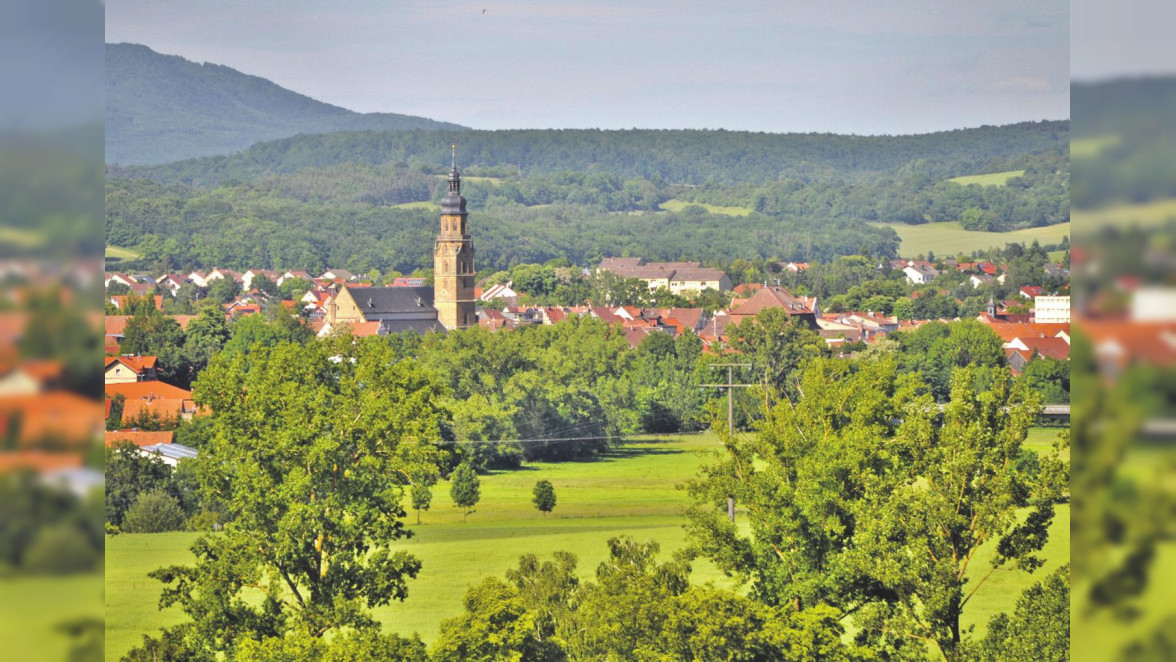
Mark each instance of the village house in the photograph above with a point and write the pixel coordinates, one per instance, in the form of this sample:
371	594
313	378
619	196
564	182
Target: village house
677	277
920	274
30	376
337	274
124	369
151	399
501	293
248	276
804	308
980	279
172	283
295	275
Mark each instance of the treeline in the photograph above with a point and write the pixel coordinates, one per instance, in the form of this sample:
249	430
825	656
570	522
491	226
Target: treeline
1039	196
681	157
177	227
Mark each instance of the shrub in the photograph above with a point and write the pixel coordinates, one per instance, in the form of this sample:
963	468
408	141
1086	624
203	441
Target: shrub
153	512
60	549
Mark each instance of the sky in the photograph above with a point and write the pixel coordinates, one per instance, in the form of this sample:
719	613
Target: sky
843	66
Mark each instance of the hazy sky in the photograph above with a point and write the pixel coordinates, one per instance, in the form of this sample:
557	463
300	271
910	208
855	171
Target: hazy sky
834	65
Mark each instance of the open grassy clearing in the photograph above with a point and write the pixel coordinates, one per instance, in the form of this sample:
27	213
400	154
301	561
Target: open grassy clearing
631	491
1089	147
991	179
949	238
122	253
1149	214
676	205
32	607
21	238
424	204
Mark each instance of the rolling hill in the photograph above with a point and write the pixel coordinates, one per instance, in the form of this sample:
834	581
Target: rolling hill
162	108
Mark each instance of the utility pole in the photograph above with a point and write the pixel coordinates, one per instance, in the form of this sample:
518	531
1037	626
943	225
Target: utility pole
730	386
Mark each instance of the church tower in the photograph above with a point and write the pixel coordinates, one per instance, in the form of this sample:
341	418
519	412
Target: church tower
453	260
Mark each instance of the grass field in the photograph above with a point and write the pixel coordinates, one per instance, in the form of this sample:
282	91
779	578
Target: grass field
121	253
676	205
632	491
991	179
1149	214
23	239
425	204
949	238
32	607
1088	147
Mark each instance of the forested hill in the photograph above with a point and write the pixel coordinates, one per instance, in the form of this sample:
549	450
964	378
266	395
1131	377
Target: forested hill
161	108
674	157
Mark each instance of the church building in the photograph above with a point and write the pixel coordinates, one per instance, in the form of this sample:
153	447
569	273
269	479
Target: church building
449	304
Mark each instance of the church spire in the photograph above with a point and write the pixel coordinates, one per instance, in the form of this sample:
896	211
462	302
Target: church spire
453	202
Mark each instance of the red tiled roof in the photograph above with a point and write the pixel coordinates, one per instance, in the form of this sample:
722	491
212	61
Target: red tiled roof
39	461
775	297
362	329
139	437
136	390
57	414
167	409
1052	348
137	363
41	370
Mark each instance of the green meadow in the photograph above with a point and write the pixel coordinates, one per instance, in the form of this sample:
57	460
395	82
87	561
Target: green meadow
945	239
120	253
1083	148
631	491
991	179
31	609
1148	214
676	205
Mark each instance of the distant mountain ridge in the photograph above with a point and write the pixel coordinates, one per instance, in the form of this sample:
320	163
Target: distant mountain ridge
163	108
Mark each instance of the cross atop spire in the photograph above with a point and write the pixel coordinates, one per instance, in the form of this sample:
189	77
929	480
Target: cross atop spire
454	147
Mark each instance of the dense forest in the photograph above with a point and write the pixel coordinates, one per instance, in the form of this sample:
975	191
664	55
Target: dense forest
363	201
681	157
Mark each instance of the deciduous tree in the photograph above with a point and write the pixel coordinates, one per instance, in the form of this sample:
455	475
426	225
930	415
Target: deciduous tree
310	450
544	496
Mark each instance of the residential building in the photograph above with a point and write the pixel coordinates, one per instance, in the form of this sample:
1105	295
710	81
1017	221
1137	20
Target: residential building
1052	309
677	277
125	369
919	274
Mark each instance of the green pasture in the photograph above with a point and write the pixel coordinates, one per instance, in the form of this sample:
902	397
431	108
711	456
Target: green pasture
21	238
1090	147
1148	214
631	491
676	205
991	179
120	253
31	608
424	204
945	239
